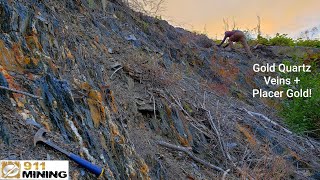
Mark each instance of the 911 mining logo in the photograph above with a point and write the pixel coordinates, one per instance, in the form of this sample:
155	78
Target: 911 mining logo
34	170
10	169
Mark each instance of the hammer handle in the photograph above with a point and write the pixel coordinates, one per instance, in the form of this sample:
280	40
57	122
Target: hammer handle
86	164
54	146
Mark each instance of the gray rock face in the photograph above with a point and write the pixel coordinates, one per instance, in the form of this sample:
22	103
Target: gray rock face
4	132
6	17
3	82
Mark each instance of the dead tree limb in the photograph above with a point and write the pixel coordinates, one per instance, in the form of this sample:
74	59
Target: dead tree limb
225	174
224	150
214	127
154	108
20	92
221	142
267	119
180	106
185	150
115	71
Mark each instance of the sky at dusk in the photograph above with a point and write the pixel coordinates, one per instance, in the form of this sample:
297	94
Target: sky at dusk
283	16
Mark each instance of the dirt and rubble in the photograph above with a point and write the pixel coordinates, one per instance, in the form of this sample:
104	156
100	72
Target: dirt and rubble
111	85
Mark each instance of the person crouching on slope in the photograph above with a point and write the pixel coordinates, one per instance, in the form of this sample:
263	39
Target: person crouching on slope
236	36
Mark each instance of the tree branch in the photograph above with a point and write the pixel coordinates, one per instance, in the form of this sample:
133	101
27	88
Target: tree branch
115	71
185	150
20	92
253	114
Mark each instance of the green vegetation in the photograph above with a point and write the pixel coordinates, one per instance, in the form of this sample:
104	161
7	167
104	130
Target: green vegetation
279	40
158	17
284	40
308	43
91	4
303	114
143	25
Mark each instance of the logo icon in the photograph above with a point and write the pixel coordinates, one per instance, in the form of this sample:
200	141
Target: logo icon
10	169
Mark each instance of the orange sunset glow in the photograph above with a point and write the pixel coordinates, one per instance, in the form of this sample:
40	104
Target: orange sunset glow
283	16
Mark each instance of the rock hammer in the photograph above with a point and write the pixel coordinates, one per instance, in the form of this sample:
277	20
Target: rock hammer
39	137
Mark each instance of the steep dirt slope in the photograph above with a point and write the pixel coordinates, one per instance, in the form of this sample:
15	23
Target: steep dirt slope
113	85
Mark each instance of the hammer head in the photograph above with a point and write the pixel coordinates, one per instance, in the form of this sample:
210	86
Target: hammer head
39	136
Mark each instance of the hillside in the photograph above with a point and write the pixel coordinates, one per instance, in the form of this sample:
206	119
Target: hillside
116	86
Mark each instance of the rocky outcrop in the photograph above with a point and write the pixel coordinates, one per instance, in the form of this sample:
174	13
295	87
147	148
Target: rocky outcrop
36	57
